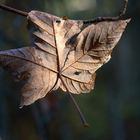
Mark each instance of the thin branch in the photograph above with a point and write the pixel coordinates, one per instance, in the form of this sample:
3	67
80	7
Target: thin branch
99	19
13	10
122	13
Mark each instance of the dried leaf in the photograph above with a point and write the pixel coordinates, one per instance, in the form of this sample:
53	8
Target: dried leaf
66	54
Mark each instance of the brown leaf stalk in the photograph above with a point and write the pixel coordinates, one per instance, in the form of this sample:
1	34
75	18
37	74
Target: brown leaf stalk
82	117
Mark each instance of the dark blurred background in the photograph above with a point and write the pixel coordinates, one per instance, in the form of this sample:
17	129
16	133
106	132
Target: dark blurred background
112	109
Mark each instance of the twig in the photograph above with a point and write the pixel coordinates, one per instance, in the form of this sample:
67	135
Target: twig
122	13
10	9
99	19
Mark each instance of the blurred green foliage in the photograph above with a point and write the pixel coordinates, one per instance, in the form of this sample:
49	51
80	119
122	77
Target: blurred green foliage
112	109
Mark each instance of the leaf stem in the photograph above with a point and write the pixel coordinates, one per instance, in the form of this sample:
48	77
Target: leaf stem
84	122
13	10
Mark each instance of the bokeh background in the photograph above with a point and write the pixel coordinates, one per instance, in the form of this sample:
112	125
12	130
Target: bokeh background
112	109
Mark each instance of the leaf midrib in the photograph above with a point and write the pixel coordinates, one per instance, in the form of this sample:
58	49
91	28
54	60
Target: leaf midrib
28	61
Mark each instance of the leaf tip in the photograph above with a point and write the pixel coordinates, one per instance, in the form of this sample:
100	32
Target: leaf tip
86	125
128	20
21	105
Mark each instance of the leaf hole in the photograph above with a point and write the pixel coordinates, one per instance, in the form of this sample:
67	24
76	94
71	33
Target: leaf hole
58	21
77	72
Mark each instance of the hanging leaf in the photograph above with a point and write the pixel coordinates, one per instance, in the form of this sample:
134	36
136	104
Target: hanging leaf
66	54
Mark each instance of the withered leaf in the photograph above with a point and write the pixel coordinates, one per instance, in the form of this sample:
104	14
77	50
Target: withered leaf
66	54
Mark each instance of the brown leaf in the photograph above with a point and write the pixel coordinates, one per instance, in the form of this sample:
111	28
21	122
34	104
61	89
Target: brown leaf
66	54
